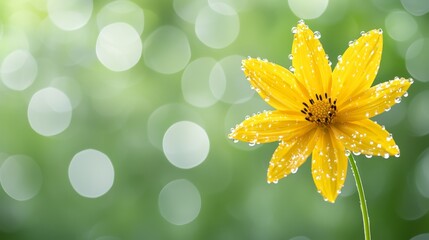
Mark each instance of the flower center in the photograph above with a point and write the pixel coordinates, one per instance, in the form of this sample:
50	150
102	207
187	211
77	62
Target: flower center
320	111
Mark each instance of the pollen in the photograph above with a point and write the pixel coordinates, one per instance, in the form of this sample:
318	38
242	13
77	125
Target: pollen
320	111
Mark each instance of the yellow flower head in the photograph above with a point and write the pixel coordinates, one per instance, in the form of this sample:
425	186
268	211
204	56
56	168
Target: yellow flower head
322	112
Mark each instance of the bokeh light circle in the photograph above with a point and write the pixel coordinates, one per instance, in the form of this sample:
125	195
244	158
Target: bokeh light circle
165	116
167	50
186	144
119	46
196	83
418	114
422	174
20	177
121	11
416	7
49	111
188	9
70	14
91	173
309	9
18	70
400	25
237	89
217	25
179	202
417	59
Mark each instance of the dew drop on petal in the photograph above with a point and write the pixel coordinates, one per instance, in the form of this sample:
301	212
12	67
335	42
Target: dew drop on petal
386	155
317	35
397	155
357	153
347	153
351	43
406	94
292	69
294	30
398	100
290	56
294	170
368	155
340	58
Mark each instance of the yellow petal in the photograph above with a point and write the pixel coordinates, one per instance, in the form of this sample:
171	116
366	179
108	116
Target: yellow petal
290	155
310	62
373	101
358	66
366	137
329	165
275	84
270	126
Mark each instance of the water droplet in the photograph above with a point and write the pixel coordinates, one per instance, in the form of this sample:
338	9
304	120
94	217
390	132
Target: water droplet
276	181
347	153
356	153
294	30
247	117
317	35
411	80
389	138
294	170
301	21
329	63
339	191
386	155
235	141
380	31
397	155
363	33
340	58
290	56
398	100
267	99
292	69
387	109
252	143
405	94
368	155
351	43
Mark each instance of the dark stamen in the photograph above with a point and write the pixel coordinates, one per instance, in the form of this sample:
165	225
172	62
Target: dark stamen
326	95
317	97
311	101
305	104
303	111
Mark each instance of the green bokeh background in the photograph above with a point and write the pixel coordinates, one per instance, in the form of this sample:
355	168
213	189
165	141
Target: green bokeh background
112	114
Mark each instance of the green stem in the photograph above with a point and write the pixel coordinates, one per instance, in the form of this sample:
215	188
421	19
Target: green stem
363	207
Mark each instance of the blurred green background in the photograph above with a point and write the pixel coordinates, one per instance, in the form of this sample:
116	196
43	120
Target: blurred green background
114	118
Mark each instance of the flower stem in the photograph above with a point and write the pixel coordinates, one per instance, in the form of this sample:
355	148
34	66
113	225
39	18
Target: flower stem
363	207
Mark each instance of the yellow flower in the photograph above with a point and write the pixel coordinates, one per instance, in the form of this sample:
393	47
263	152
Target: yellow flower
322	112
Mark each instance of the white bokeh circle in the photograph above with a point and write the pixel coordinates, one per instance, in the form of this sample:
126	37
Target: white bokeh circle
167	50
70	14
179	202
118	46
309	9
20	177
121	11
217	25
91	173
197	84
186	144
49	111
18	70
